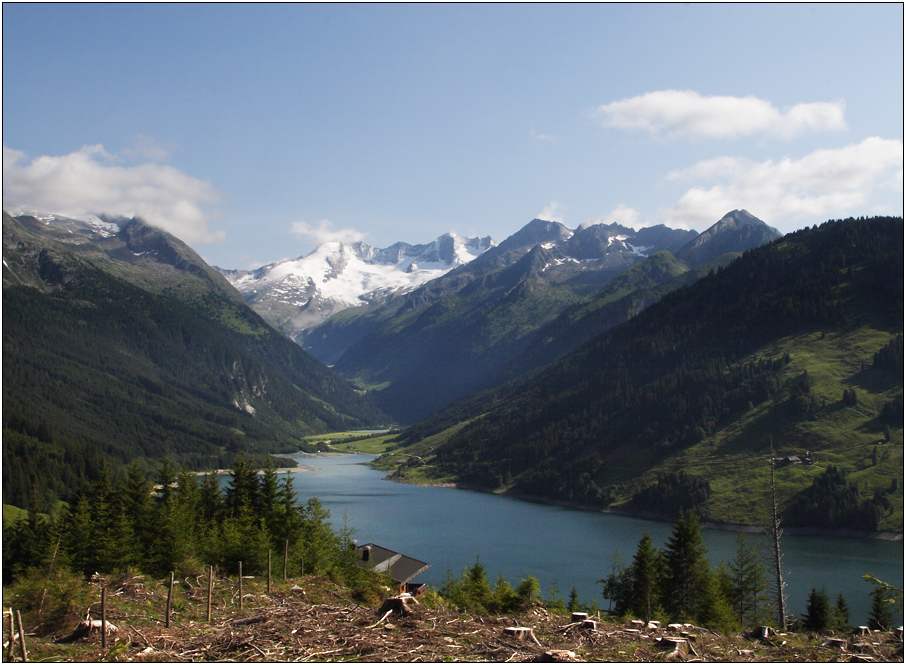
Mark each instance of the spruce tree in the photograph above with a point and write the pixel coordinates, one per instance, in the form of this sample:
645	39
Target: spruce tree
817	617
686	569
841	614
880	616
573	603
645	577
243	490
748	583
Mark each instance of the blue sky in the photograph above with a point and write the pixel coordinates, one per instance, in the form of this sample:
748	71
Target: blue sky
253	131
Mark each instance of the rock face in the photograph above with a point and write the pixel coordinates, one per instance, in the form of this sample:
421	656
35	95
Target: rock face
737	231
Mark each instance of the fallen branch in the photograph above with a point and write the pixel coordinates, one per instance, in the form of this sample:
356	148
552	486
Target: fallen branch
244	622
381	620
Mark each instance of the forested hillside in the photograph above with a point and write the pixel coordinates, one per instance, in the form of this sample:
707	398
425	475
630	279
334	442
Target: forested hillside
797	343
95	367
484	322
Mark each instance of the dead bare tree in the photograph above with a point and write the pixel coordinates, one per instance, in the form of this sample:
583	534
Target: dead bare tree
775	533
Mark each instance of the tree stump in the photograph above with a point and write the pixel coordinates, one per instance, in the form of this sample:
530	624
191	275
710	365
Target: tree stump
403	604
835	643
589	624
676	645
519	632
762	632
578	616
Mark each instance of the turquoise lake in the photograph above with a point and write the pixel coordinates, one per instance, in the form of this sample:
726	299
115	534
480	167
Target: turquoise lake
449	528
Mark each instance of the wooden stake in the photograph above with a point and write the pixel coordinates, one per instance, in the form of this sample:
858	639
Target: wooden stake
301	566
12	635
240	586
285	557
210	590
21	637
169	601
268	571
104	617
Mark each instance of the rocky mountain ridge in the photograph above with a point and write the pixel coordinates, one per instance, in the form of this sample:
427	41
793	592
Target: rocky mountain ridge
297	294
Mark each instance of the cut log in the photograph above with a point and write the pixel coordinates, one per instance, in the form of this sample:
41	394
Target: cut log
84	629
675	627
245	622
654	625
557	656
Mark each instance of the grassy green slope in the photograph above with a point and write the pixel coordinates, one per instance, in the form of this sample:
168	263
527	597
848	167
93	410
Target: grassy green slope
703	382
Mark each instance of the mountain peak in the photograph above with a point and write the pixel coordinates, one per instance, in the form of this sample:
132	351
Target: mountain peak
298	294
737	231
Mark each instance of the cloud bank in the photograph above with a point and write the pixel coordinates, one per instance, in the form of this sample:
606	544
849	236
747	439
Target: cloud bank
323	232
91	182
689	114
833	182
553	212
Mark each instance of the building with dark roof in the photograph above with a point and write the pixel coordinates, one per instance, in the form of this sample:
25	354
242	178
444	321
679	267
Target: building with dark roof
399	567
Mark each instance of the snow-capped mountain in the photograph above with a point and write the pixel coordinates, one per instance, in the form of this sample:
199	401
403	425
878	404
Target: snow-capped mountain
297	294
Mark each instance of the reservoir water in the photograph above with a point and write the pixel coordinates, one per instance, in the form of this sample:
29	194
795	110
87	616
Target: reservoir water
449	528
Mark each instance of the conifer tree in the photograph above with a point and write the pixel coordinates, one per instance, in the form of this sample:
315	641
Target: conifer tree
748	583
243	489
137	504
686	569
210	498
817	617
643	600
841	614
573	603
880	616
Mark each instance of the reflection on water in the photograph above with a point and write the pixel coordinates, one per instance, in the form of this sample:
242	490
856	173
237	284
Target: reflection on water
450	528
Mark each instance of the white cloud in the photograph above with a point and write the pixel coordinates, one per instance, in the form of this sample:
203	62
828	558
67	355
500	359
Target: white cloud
147	147
89	182
687	113
553	212
832	182
538	136
324	232
626	216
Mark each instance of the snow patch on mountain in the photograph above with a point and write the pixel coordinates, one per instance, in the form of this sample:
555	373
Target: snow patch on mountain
298	293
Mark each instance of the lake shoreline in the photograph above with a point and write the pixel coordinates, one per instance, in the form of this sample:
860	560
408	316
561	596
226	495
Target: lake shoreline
715	526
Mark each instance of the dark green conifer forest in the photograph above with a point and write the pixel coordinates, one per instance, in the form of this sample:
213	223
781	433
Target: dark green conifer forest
688	368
